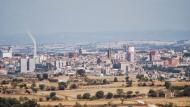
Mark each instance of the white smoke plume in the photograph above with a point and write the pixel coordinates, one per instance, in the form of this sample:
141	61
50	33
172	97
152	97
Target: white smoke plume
34	43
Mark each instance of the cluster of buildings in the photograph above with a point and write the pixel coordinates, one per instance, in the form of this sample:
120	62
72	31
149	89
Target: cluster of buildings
100	63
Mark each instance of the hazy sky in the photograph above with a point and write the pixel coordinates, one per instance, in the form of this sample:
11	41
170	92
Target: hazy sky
55	16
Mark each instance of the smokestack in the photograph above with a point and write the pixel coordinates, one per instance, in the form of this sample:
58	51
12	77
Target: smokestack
34	43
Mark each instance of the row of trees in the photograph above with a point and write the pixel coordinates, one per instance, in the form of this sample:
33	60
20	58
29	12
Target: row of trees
100	94
13	102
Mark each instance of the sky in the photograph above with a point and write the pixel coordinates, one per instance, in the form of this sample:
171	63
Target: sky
47	18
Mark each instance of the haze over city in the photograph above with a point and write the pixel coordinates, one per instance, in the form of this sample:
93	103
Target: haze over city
99	20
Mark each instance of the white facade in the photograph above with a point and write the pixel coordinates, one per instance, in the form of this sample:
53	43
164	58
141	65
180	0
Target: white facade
27	65
6	53
32	65
23	66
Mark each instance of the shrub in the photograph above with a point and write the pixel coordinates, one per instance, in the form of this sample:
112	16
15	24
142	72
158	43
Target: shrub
52	88
79	96
119	92
186	91
93	98
105	81
52	94
152	93
167	84
137	92
73	86
42	86
115	79
86	96
109	95
129	92
55	98
161	93
45	76
99	94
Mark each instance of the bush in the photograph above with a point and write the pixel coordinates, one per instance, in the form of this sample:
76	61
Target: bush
99	94
109	95
93	98
45	76
42	86
186	91
129	92
167	84
73	86
86	96
161	93
152	93
105	81
115	79
52	94
52	88
79	96
119	92
137	92
55	98
12	102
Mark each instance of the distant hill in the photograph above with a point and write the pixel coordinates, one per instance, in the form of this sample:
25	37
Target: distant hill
96	37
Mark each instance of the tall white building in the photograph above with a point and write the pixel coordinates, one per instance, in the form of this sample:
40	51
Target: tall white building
27	65
23	65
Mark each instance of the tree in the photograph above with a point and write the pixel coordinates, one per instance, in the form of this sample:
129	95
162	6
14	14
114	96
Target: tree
81	72
186	91
137	92
168	84
99	94
115	79
73	86
109	95
42	86
52	94
161	93
33	84
126	78
119	92
30	103
128	82
152	93
129	93
105	81
40	78
45	76
86	96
